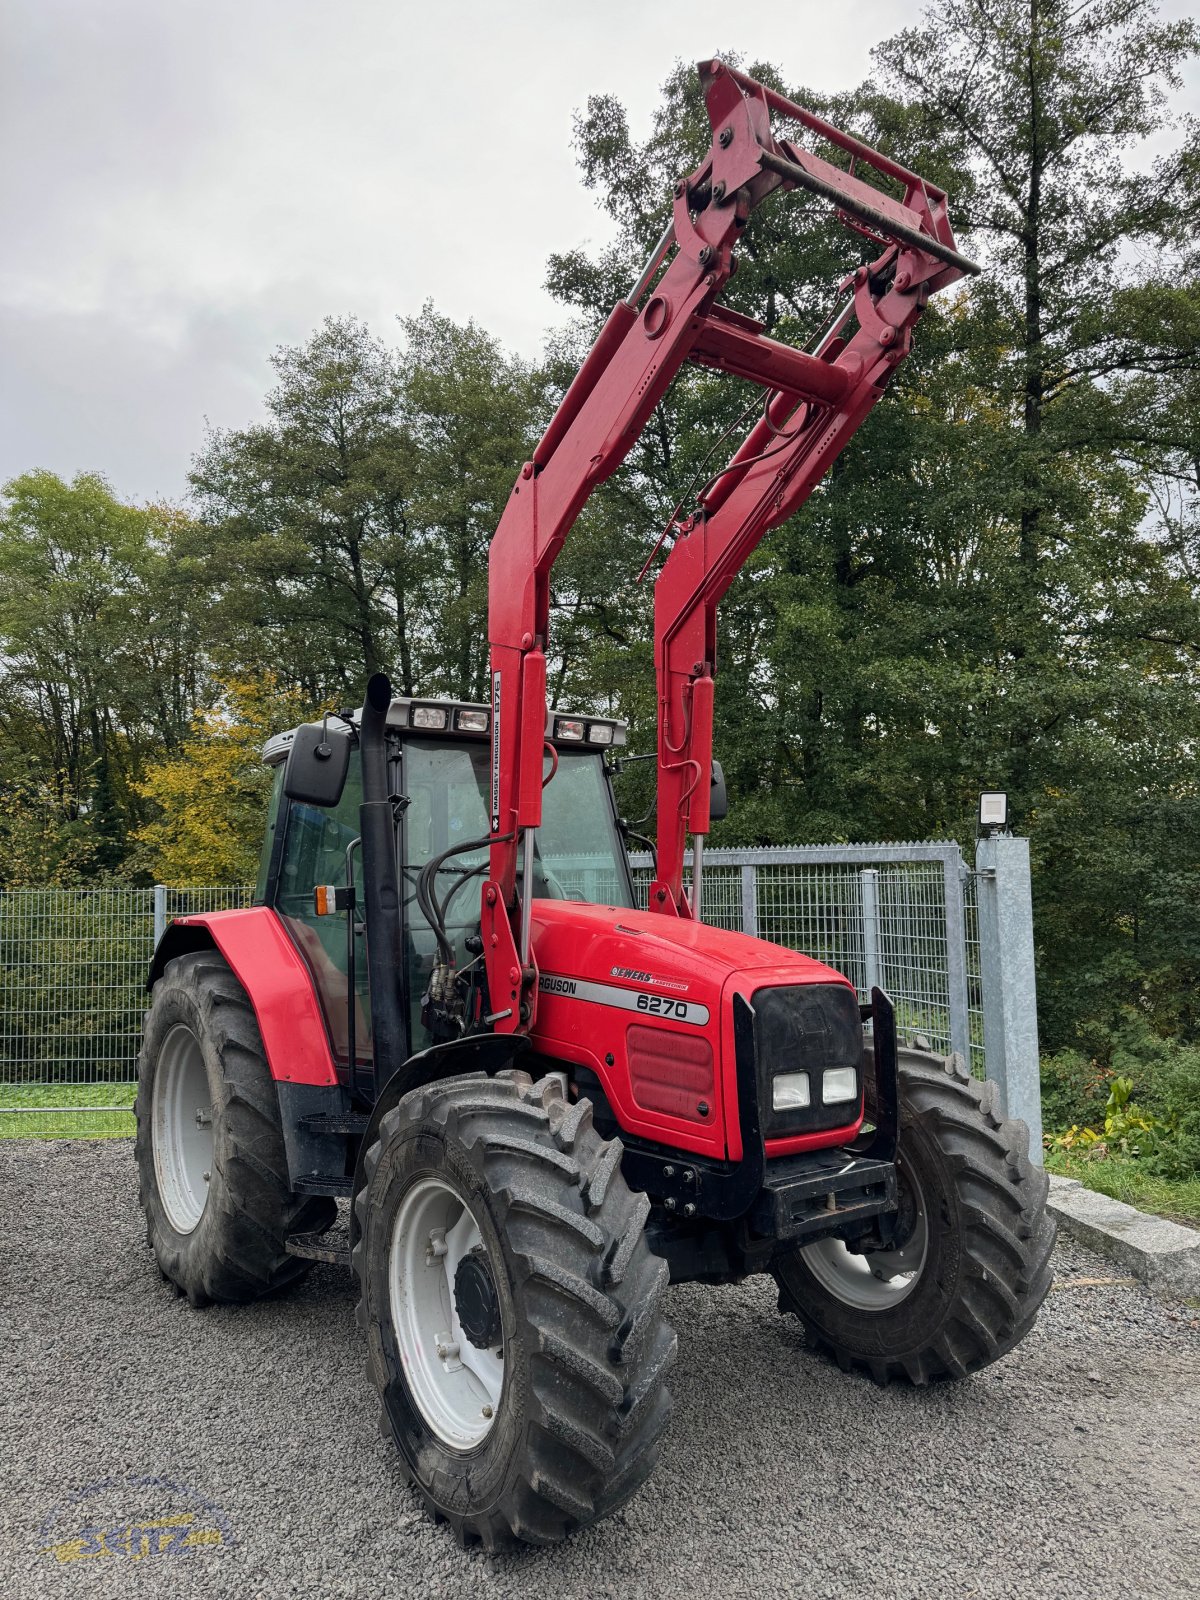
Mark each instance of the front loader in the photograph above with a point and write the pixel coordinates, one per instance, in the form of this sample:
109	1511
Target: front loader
540	1098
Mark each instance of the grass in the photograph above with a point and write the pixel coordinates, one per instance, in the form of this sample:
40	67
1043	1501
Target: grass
1125	1179
64	1111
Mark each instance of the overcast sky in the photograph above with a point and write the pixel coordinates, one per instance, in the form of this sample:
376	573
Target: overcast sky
185	184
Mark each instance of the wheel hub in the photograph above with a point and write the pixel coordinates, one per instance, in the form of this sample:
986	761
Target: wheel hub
869	1278
182	1129
476	1303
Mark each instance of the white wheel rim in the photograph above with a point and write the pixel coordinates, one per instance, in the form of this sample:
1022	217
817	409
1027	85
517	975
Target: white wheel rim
875	1280
181	1128
456	1385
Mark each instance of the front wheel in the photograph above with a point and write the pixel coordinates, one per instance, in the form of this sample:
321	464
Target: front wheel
512	1308
960	1281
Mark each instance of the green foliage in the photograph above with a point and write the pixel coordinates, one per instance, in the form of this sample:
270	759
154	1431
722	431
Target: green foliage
348	533
1074	1090
100	636
1127	1131
1138	1096
1001	584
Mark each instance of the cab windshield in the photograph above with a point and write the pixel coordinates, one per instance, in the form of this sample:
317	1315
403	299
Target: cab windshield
578	853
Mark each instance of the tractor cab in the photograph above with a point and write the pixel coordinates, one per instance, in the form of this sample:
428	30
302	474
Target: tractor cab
438	755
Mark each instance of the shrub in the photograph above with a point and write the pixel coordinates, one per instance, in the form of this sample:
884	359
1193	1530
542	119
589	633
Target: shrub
1131	1093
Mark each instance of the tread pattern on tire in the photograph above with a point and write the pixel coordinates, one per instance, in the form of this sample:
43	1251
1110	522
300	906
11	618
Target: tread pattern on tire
599	1351
1007	1235
253	1208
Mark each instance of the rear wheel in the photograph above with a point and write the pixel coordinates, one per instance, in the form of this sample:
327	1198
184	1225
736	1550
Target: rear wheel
962	1278
212	1168
512	1308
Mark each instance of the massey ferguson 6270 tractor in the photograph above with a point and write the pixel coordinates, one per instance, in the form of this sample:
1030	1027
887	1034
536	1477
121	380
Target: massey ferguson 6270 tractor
540	1100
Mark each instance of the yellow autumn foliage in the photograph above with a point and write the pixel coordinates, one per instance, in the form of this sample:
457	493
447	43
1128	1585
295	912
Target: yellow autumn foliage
211	799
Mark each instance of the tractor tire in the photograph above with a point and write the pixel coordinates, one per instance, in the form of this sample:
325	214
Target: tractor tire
971	1267
212	1169
512	1309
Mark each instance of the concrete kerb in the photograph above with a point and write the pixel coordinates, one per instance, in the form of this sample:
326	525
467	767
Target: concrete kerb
1164	1255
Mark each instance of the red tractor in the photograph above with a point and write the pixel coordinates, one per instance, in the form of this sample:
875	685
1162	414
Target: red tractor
540	1101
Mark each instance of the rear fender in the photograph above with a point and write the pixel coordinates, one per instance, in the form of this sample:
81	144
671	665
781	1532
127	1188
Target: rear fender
268	966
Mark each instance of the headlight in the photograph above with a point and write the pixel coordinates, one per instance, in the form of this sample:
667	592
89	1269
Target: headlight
808	1050
568	728
471	721
838	1085
790	1091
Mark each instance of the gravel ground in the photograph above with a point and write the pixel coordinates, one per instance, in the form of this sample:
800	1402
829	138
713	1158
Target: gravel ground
1071	1467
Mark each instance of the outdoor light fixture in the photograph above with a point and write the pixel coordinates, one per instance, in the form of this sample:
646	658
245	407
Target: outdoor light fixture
993	812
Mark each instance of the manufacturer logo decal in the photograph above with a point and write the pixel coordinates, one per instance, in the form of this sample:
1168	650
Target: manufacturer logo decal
607	994
134	1519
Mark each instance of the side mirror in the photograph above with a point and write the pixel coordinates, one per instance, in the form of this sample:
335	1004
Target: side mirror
718	800
317	764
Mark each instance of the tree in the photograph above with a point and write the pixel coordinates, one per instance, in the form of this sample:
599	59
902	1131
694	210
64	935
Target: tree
306	534
210	799
473	414
99	635
1091	308
981	594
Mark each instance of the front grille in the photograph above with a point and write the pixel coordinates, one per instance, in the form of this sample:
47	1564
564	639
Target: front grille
806	1027
671	1072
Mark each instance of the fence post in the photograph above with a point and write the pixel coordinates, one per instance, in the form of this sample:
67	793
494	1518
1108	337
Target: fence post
750	899
869	877
1010	1039
160	912
958	999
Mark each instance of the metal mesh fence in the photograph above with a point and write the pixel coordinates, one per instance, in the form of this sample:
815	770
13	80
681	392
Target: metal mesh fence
196	902
73	961
900	916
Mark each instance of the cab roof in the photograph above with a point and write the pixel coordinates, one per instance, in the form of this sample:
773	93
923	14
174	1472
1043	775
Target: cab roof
468	719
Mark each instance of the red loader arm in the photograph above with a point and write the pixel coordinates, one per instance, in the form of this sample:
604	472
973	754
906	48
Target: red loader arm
813	402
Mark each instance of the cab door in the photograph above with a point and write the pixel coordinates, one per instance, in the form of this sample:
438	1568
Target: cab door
320	847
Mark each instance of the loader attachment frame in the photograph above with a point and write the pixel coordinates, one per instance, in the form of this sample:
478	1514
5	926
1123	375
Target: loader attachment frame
813	402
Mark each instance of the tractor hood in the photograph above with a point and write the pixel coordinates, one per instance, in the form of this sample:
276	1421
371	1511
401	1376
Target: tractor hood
646	1002
649	949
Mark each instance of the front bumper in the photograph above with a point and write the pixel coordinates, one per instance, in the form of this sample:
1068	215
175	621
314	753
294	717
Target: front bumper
821	1192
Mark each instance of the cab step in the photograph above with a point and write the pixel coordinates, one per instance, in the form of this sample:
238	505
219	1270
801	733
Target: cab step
335	1122
333	1247
336	1188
